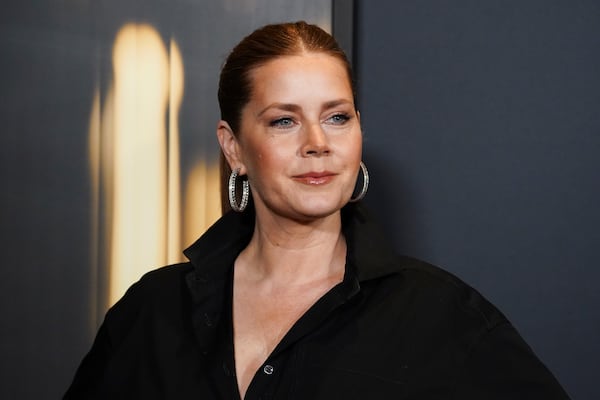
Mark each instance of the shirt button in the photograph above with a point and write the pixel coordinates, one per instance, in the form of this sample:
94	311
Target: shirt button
268	369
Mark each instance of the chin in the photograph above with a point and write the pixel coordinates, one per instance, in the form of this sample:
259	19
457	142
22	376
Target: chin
319	209
305	208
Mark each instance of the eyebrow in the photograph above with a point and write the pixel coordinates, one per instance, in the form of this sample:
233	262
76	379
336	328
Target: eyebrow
295	108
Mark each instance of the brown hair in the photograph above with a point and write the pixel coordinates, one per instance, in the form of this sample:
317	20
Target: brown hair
258	48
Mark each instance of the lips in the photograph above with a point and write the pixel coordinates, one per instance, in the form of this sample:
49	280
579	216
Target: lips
315	178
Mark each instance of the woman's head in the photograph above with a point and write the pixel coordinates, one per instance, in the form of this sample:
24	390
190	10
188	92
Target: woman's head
301	70
264	45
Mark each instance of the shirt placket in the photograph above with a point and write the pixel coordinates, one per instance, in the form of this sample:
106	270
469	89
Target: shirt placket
275	376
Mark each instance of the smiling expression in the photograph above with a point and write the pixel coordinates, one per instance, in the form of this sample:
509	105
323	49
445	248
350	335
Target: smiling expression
300	140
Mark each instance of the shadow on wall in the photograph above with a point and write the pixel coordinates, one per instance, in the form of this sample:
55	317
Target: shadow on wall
138	221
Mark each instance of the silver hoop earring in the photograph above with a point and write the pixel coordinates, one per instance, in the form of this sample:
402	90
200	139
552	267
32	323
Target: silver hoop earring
365	183
232	192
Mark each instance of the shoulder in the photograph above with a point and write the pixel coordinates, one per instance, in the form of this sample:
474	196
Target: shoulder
160	291
407	284
447	300
446	317
138	330
165	280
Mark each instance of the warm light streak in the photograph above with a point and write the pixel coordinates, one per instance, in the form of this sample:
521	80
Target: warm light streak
141	94
202	200
176	82
95	165
134	152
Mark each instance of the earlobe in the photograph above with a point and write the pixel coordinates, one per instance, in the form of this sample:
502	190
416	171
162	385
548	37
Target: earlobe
230	146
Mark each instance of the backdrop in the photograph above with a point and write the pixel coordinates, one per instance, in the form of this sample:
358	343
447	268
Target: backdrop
482	135
107	112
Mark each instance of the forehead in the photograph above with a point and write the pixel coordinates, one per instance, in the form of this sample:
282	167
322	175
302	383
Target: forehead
315	70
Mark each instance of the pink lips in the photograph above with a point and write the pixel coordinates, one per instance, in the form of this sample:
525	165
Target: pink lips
315	178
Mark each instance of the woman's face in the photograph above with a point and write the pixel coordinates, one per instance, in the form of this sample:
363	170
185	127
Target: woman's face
300	140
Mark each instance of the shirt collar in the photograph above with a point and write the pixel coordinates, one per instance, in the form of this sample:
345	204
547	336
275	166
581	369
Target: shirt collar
369	253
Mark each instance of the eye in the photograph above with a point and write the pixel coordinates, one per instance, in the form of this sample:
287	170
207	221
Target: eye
285	122
338	119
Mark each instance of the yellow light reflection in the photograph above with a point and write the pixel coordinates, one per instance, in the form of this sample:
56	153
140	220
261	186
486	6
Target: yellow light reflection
141	94
202	200
135	169
95	161
176	82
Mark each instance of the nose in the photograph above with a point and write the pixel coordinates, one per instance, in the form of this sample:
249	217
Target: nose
315	142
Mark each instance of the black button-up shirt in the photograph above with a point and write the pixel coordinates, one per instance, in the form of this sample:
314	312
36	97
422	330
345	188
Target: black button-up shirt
393	328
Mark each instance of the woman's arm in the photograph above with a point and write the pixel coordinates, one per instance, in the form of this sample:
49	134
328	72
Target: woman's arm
502	366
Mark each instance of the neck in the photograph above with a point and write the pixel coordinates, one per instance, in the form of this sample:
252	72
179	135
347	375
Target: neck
285	252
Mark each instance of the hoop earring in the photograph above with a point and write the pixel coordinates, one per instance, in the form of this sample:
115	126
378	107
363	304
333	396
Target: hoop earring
232	192
365	185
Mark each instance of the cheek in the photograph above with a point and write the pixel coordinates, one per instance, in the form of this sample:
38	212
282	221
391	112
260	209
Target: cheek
358	148
351	149
266	164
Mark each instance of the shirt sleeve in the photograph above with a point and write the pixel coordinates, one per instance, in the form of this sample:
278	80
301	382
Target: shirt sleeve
502	366
88	378
89	381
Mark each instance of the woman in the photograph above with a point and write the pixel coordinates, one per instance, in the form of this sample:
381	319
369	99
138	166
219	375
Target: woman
296	295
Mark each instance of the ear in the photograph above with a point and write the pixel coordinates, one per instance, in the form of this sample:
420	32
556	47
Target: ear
230	146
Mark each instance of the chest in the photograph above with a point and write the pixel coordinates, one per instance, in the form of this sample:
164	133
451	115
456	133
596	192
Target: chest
261	321
347	352
353	348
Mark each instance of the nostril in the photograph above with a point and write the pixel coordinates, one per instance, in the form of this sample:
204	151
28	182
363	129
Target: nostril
316	152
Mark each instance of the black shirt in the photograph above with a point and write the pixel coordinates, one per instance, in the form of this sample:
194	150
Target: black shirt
394	328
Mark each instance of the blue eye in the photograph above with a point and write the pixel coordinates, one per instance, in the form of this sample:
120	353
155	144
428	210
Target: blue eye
339	119
284	122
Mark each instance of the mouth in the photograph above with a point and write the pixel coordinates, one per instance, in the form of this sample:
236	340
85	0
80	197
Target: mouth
315	178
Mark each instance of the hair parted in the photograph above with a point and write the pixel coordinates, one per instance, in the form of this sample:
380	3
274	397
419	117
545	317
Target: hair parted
261	46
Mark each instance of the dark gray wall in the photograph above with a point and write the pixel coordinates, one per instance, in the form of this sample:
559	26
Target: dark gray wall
46	77
482	136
